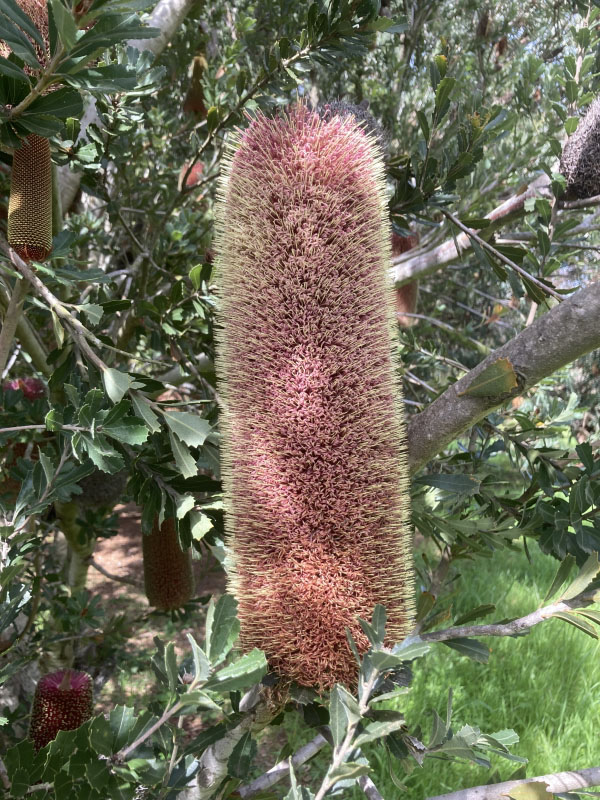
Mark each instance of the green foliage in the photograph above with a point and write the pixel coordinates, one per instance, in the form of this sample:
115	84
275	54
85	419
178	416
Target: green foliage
124	315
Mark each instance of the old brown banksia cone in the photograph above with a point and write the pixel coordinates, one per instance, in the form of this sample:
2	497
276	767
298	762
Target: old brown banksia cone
314	443
168	576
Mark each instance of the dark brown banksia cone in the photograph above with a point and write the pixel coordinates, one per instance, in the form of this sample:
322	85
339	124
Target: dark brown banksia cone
314	446
30	204
168	576
62	702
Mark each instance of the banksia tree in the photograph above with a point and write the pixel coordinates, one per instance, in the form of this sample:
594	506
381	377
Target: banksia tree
168	576
580	160
407	295
314	444
62	702
30	203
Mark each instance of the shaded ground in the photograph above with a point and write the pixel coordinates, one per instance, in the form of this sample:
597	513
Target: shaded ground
126	606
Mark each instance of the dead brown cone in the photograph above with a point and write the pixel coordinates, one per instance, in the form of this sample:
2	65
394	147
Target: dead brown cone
407	295
30	204
168	576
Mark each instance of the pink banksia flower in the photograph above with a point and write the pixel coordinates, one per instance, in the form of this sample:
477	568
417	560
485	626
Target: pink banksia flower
168	576
62	702
314	445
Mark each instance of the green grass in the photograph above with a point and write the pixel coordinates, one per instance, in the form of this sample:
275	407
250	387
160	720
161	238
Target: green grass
545	685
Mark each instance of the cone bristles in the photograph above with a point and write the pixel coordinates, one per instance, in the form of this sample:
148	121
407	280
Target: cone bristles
62	702
168	576
30	204
314	443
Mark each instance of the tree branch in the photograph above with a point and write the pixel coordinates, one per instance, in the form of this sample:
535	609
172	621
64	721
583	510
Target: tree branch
565	333
516	626
282	769
421	263
558	782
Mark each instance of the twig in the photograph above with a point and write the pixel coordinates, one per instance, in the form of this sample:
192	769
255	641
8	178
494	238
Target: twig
282	768
505	260
514	627
369	788
557	782
110	575
582	203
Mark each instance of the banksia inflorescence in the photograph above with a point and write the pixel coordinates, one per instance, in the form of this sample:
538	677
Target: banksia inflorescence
314	443
168	576
30	203
580	160
62	702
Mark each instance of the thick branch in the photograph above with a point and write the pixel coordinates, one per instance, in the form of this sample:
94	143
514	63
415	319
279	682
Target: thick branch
514	627
282	769
420	263
558	782
563	334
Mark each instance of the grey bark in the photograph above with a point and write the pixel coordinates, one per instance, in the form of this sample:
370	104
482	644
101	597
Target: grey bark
558	782
565	333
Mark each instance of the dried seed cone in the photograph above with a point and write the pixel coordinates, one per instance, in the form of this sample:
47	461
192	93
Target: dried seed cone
168	576
580	160
314	443
30	204
62	702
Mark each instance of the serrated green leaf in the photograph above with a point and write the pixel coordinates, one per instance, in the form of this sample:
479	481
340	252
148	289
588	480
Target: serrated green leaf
535	790
338	719
128	431
470	647
62	103
586	575
222	628
457	483
18	43
242	756
476	613
183	458
121	721
578	623
378	730
201	662
93	312
143	410
13	71
561	576
190	428
65	24
246	671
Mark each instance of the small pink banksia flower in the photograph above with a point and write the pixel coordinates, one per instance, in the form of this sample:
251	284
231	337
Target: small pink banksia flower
314	443
62	702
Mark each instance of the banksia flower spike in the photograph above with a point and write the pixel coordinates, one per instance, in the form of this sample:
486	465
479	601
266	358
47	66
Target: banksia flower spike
62	702
30	203
314	444
168	576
